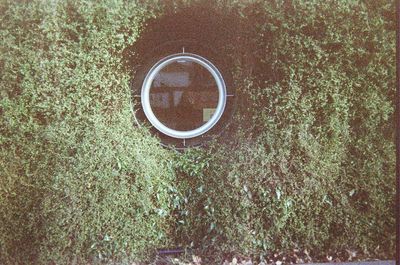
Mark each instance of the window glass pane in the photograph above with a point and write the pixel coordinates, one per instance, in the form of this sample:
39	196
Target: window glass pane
183	95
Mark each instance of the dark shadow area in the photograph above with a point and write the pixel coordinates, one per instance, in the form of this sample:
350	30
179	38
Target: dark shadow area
203	29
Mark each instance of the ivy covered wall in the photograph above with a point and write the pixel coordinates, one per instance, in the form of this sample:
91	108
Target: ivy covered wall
307	162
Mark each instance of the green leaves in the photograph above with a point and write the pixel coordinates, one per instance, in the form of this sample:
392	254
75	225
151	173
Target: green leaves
307	136
87	181
308	159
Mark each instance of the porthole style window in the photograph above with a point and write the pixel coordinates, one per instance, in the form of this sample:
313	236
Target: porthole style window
183	95
187	98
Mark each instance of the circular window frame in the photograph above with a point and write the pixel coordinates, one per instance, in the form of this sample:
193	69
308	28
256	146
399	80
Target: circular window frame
147	84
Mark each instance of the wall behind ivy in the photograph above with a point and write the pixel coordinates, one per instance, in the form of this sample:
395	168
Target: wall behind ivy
79	182
308	160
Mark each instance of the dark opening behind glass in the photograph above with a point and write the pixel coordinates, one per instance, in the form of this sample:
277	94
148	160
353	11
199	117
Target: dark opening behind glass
183	95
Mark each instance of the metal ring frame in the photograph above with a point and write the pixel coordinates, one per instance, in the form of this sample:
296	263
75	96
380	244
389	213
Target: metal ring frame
145	95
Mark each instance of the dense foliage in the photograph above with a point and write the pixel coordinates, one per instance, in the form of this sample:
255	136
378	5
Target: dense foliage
307	162
78	180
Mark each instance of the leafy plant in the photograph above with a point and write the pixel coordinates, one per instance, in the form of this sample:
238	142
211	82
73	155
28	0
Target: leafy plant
307	162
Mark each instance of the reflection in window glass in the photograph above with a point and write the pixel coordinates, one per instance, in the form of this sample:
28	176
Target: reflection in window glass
183	95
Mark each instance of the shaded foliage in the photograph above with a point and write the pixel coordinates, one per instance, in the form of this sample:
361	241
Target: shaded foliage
308	160
79	181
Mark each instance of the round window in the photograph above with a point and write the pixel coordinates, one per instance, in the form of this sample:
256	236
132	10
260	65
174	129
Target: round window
187	98
183	95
